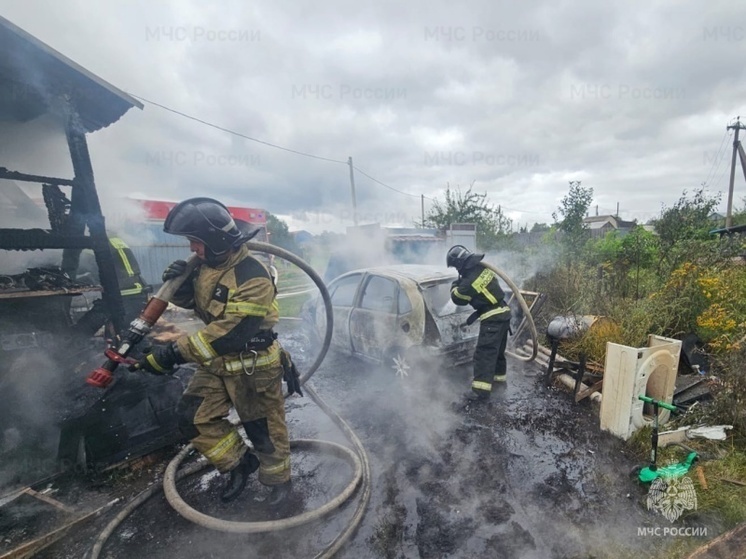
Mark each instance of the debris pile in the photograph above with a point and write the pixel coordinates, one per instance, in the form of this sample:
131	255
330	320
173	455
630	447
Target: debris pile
51	278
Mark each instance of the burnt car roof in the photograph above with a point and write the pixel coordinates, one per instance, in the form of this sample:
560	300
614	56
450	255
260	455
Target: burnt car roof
420	273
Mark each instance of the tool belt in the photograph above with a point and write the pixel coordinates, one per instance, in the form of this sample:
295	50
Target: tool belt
261	341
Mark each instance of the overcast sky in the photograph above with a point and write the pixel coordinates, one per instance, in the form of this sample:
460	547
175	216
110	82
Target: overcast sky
632	98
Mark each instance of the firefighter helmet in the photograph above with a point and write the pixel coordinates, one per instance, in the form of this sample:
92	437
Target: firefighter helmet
460	257
205	220
248	230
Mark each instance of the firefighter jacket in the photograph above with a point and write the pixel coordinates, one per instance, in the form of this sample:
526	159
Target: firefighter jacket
478	287
236	301
127	269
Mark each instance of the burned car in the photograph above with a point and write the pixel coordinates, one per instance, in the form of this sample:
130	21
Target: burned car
395	315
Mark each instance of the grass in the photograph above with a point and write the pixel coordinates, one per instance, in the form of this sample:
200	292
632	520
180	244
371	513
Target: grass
728	499
290	306
719	461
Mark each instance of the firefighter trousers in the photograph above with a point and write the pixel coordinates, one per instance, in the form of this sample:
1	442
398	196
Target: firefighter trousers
260	405
489	355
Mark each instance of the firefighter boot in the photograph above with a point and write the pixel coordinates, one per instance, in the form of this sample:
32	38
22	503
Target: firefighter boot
238	477
279	494
474	396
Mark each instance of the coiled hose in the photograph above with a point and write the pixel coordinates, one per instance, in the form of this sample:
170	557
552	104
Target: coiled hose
358	459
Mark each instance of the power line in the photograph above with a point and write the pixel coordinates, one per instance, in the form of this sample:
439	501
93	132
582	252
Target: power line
718	159
720	178
521	211
237	133
390	187
297	152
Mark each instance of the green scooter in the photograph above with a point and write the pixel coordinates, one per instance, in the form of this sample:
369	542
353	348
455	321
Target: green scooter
649	473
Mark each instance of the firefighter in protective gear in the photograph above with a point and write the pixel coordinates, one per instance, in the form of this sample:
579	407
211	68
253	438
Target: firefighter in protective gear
479	287
132	286
238	355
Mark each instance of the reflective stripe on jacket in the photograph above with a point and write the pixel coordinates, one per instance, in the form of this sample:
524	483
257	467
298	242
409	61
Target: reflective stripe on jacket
235	300
478	286
127	268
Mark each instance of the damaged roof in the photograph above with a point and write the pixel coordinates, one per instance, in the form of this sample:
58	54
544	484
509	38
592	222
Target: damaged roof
35	79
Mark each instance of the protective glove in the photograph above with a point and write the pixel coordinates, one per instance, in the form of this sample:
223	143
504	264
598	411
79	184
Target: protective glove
290	373
176	268
160	360
472	318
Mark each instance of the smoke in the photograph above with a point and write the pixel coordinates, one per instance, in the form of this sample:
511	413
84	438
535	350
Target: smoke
371	245
12	263
30	382
37	147
126	219
19	210
521	267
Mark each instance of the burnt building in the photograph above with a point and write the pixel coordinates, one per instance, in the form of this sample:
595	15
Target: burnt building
49	213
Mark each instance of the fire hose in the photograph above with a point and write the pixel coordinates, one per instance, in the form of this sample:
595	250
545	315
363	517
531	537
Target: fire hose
526	313
358	459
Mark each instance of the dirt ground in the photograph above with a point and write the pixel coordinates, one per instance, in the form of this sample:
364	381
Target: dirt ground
526	475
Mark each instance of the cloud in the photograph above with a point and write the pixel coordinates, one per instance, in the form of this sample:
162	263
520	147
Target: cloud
631	99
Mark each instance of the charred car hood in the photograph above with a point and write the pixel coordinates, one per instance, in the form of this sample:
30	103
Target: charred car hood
453	329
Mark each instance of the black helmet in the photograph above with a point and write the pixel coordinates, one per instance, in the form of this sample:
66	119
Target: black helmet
248	230
207	221
460	257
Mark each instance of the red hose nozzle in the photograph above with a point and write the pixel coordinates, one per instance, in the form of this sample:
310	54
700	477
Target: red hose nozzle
100	378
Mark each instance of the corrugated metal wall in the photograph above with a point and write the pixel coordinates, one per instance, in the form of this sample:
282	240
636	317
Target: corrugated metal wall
158	251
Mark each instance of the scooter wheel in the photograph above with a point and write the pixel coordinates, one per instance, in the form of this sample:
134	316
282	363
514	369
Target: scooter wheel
635	472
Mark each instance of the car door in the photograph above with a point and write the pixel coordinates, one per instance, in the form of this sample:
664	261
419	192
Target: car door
373	320
343	293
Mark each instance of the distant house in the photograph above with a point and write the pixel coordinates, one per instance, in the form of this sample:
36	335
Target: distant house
717	219
599	225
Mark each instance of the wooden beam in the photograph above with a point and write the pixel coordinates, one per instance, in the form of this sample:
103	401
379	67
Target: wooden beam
50	501
29	549
23	177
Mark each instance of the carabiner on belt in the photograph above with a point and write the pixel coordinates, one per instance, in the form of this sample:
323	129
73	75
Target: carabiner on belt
253	361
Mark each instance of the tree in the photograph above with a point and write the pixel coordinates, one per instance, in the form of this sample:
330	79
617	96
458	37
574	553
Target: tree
739	214
684	227
573	209
540	228
469	207
279	234
639	250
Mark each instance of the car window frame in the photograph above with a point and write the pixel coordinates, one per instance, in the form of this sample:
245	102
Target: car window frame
355	297
424	286
363	286
403	293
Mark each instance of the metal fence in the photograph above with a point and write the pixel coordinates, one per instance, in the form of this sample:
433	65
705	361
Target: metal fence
160	249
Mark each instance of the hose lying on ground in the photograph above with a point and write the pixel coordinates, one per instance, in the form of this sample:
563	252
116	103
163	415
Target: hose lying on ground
358	459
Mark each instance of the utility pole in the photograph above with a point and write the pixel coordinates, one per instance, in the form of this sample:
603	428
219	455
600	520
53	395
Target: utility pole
422	209
736	145
352	186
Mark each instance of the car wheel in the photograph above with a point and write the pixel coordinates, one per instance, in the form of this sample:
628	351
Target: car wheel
402	361
634	473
